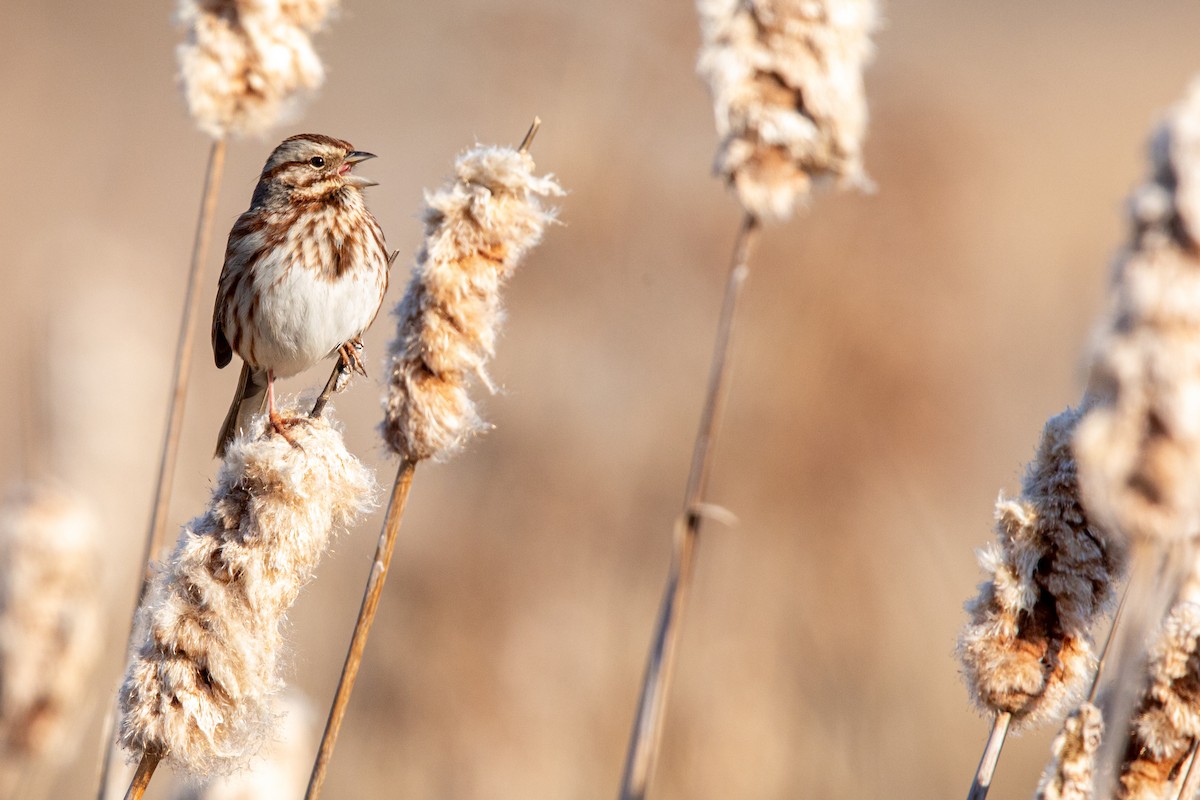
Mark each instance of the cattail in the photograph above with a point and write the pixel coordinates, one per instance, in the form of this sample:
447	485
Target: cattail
1139	448
787	88
49	624
244	61
310	15
1072	771
1166	724
1028	648
198	691
281	770
477	228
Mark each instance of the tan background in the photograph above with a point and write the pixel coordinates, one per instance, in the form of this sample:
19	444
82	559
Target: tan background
897	357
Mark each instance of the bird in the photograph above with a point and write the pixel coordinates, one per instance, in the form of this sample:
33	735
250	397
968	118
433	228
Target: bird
305	273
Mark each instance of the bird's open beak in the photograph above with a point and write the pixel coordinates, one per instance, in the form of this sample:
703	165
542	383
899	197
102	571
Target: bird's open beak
352	158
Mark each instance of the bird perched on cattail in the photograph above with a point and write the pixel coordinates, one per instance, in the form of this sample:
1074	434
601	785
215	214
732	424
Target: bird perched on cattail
305	272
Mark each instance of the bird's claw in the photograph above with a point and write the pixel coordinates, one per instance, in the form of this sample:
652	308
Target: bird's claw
282	425
348	352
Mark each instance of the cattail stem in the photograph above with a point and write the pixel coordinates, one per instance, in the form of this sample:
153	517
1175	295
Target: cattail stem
170	446
141	778
1094	692
991	756
527	142
646	738
340	368
183	359
1189	782
719	376
362	627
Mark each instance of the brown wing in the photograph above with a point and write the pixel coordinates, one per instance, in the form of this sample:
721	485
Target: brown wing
231	274
222	352
376	243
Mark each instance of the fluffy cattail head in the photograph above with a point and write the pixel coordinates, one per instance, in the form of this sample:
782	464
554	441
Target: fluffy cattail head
1071	773
1167	721
1139	450
477	228
198	690
1027	649
280	770
49	621
787	89
245	61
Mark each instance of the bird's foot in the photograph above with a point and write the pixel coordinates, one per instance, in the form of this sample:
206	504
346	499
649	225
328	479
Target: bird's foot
348	352
282	425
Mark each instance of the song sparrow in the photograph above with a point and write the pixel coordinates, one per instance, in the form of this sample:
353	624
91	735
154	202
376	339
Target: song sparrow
305	273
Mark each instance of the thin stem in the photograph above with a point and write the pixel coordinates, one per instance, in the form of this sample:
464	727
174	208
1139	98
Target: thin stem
991	755
339	368
719	375
646	738
366	615
183	363
141	778
183	360
1108	640
1190	781
532	132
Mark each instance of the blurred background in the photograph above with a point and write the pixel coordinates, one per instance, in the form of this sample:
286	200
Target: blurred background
896	358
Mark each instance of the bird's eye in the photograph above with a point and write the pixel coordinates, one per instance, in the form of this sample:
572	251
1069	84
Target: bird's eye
317	161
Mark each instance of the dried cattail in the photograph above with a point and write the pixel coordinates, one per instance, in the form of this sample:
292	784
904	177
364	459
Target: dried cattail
245	61
280	770
477	228
49	623
1072	770
787	88
1139	448
199	687
1166	724
310	15
1028	647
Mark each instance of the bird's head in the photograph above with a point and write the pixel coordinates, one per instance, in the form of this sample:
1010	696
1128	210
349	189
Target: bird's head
312	166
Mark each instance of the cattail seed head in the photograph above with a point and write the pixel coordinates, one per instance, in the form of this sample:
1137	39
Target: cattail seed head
1166	723
478	226
245	61
787	88
310	15
1072	769
1027	649
49	621
199	688
280	770
1139	449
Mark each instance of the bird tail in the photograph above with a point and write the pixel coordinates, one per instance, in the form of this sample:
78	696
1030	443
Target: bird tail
247	401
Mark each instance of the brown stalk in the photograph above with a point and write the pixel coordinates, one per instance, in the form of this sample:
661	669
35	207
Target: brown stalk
991	755
1189	778
183	361
141	778
362	627
1094	692
646	738
340	368
183	364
